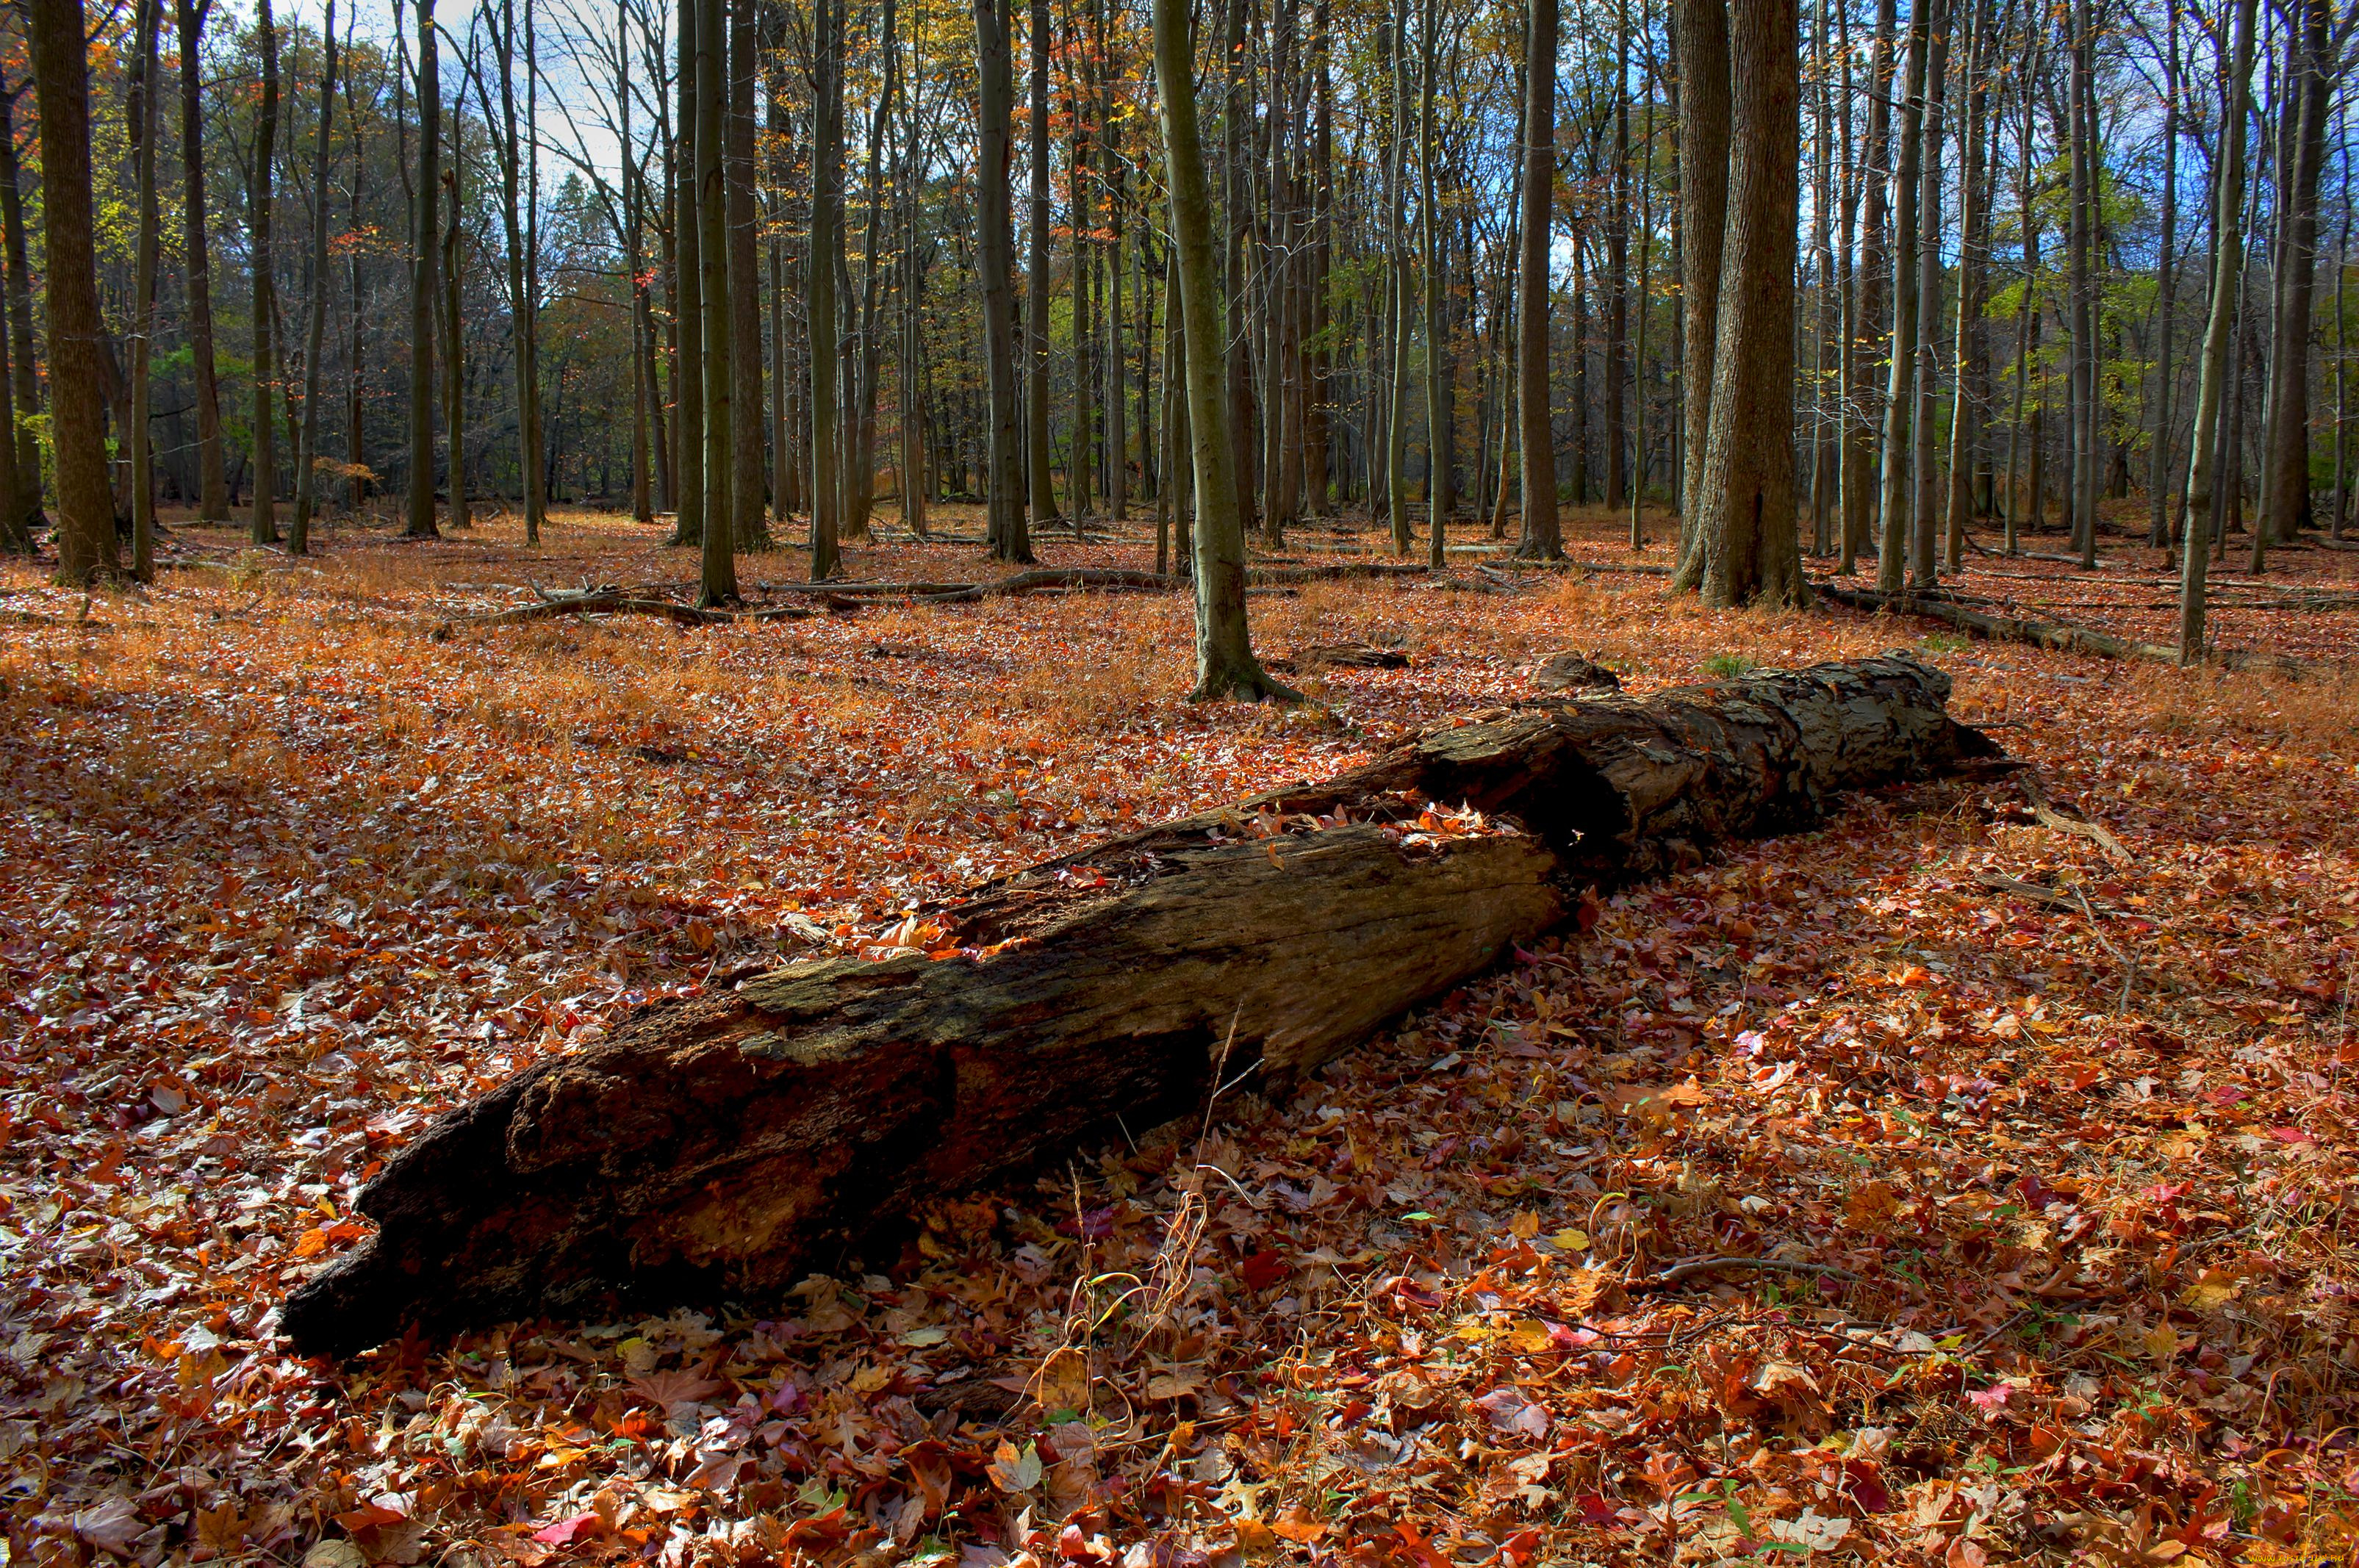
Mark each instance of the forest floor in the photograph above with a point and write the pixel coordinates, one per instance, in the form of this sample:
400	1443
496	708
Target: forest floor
287	869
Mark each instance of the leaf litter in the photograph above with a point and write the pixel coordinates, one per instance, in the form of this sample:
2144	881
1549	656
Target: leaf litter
1929	1186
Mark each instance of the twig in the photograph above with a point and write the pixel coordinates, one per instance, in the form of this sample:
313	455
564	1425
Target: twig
1696	1268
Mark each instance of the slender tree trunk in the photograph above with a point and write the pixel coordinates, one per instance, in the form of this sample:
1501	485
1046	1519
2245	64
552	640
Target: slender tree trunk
1900	401
2285	507
265	529
748	507
425	199
2227	279
1010	538
2088	422
1039	456
85	536
1225	665
1542	539
718	561
2158	465
1080	476
1397	353
212	483
454	342
1440	410
1964	416
145	122
1925	511
688	283
1862	420
1700	37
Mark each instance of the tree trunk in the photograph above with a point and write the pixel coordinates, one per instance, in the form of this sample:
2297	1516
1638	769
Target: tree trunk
688	283
1039	460
748	505
85	534
1861	424
145	121
1225	665
212	483
1925	493
1440	405
2284	462
2159	467
1967	360
454	343
265	519
718	559
1542	539
2227	279
1011	538
716	1144
1900	402
423	299
1746	508
1700	37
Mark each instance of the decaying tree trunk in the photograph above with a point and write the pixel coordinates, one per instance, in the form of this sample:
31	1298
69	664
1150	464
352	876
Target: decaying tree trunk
718	1145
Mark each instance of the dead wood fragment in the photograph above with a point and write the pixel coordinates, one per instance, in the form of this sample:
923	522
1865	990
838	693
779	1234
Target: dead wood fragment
720	1145
1342	655
2066	819
1572	671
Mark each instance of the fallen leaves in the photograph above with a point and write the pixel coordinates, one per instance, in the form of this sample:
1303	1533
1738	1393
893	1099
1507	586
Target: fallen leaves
2070	1139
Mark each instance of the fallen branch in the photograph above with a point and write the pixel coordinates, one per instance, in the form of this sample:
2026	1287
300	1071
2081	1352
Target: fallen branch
2060	635
722	1142
618	604
2069	819
1697	1268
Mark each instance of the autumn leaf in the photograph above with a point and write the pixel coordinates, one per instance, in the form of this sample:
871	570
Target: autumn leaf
1013	1469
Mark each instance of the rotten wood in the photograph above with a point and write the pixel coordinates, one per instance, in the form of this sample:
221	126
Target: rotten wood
721	1144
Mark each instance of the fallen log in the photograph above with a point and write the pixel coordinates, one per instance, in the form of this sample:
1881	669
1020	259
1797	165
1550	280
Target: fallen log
618	604
720	1145
2062	635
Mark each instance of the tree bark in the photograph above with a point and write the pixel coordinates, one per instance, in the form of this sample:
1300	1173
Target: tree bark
1752	553
720	1143
85	535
